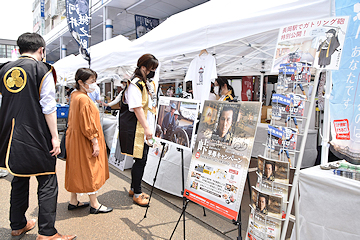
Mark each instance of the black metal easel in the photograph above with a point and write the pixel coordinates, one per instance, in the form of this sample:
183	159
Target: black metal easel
152	189
185	200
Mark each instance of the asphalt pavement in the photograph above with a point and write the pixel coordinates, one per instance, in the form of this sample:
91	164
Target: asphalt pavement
127	220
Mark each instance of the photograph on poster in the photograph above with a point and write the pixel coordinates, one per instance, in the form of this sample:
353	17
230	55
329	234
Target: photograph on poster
266	203
175	121
221	155
319	42
261	226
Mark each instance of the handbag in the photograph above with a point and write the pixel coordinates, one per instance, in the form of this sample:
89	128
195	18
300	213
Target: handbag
62	155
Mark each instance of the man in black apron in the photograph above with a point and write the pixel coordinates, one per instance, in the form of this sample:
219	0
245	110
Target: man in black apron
29	138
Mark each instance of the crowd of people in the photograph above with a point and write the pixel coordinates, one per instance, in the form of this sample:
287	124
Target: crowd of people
28	89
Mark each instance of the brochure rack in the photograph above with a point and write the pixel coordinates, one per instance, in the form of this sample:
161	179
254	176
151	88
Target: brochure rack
268	222
294	194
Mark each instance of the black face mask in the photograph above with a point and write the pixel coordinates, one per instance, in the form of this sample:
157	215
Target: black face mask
151	74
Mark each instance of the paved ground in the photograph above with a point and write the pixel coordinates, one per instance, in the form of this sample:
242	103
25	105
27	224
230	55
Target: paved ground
127	220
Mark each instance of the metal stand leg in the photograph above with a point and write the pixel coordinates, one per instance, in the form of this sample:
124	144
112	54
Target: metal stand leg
152	189
182	214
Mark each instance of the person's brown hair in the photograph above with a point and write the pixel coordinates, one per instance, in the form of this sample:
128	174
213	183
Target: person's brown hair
83	74
147	60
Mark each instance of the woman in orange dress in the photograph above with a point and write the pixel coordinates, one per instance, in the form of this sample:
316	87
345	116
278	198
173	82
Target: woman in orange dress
86	163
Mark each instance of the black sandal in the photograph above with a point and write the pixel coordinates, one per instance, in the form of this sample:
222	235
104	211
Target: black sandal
96	211
72	207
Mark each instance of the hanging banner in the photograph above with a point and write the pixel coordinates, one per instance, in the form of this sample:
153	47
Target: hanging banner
144	24
221	156
319	42
42	8
78	19
345	95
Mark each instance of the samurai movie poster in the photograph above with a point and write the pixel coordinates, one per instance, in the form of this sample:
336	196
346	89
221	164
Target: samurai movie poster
221	156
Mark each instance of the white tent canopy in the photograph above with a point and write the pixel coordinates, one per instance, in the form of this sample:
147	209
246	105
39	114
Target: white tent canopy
241	35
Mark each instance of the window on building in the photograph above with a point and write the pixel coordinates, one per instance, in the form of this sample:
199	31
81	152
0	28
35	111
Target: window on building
2	51
6	50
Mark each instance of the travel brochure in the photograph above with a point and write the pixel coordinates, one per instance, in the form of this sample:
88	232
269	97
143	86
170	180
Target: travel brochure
281	143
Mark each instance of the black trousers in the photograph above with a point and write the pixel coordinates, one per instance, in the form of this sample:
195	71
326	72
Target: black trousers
137	170
47	200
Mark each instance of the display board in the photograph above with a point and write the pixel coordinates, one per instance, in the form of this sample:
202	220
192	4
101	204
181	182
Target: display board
221	156
318	42
175	121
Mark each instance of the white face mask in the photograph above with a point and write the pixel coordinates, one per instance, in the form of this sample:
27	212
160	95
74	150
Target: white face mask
92	87
216	90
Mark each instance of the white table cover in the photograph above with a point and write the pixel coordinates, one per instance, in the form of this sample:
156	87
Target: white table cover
329	206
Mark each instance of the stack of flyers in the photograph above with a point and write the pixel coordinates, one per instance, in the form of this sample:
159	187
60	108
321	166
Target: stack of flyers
286	74
273	177
279	104
267	204
288	110
262	227
293	75
281	143
273	170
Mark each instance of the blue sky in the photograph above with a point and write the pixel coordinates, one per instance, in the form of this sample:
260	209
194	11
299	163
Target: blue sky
15	18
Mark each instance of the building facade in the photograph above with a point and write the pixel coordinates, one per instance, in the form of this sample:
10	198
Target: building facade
109	18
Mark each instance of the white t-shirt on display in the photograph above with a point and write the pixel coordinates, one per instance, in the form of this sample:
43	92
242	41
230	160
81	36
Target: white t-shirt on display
202	71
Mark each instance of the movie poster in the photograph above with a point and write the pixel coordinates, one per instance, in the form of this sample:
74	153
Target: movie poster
175	121
318	42
221	156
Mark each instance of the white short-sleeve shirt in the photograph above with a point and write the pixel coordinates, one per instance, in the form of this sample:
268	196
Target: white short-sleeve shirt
133	97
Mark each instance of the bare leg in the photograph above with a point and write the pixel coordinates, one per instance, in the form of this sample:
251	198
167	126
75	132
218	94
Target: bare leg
94	201
73	199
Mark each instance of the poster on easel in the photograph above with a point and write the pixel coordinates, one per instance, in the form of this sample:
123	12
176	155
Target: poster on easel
317	42
221	156
175	121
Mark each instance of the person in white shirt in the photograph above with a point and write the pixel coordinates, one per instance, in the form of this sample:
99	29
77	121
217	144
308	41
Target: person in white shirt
137	120
118	97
